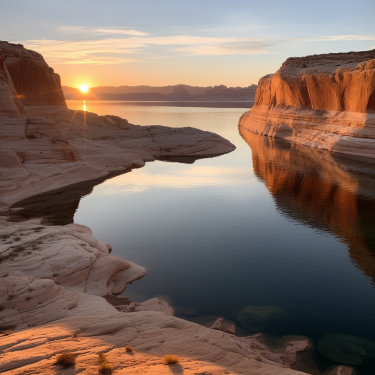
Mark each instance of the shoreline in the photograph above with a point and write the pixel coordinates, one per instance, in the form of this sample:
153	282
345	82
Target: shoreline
66	273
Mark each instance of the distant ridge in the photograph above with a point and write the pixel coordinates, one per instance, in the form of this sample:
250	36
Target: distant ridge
176	92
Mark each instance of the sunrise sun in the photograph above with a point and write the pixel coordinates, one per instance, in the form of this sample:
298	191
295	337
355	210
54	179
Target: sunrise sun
84	88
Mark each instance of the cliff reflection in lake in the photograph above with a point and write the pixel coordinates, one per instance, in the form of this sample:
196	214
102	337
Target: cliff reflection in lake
325	191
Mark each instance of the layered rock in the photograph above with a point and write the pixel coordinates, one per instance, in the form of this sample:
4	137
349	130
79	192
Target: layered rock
35	82
323	101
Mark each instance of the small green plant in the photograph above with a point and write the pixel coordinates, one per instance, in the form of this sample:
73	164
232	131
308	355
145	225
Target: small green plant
66	359
171	359
105	367
129	348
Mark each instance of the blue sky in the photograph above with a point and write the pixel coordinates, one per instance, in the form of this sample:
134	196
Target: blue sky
164	42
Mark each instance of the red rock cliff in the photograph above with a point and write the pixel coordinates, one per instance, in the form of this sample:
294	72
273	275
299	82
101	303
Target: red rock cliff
34	81
323	101
9	101
332	82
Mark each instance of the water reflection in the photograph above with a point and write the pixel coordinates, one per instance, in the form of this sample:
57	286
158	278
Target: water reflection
325	191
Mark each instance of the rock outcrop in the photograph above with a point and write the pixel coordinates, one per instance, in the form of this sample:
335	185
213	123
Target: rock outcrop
323	101
35	82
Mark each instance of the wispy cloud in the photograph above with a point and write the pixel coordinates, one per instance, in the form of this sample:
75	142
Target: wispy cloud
335	38
99	31
99	52
92	51
101	49
120	32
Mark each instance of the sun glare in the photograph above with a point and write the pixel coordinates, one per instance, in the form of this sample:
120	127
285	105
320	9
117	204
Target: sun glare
84	88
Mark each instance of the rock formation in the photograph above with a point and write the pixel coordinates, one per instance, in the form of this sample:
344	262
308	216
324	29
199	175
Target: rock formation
53	277
323	101
35	82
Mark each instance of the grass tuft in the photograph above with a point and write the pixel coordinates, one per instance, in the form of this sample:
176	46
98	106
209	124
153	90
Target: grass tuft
129	348
105	368
171	359
66	359
258	358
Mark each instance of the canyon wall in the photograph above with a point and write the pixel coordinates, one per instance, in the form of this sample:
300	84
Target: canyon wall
34	81
323	101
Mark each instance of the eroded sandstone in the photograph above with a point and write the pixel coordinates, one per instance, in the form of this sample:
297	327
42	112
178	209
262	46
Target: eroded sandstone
53	277
35	82
323	101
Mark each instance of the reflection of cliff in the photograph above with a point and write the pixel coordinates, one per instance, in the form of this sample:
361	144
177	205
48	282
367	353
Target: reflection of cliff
321	190
57	207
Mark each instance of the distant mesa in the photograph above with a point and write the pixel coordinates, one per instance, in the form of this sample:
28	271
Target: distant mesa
323	101
180	90
163	93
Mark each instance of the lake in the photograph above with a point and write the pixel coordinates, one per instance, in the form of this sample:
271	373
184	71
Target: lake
279	238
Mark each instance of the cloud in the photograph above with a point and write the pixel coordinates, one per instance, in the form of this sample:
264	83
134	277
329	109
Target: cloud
121	32
99	31
335	38
116	50
99	52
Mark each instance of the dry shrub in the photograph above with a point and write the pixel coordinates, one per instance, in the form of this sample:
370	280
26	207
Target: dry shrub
66	359
259	359
129	348
171	359
6	330
105	368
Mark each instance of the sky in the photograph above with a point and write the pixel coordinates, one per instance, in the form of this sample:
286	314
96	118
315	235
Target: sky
199	43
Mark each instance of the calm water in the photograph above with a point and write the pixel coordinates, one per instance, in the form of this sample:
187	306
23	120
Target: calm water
279	238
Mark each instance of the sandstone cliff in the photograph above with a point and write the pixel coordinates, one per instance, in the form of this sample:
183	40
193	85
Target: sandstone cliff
35	82
324	101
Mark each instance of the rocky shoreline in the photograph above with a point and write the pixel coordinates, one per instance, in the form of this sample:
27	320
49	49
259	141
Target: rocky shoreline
57	281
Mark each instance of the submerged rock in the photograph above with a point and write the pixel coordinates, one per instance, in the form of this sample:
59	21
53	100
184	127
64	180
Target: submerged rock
346	349
255	318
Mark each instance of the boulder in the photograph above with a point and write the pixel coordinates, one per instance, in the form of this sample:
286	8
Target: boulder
256	318
346	349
